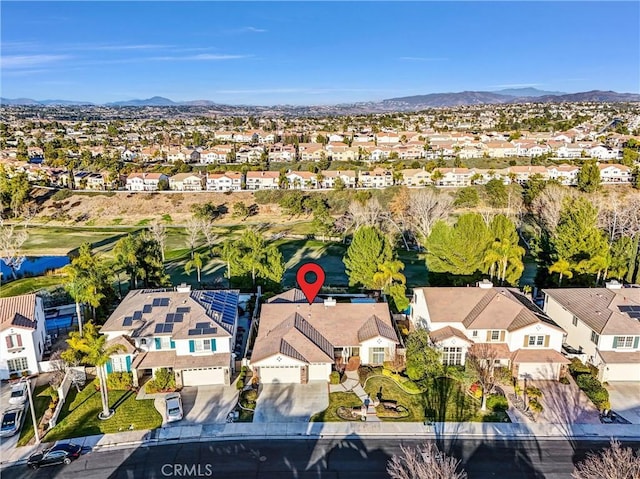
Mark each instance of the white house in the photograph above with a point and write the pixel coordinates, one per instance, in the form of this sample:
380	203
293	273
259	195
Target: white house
263	180
23	332
612	174
524	338
186	182
144	181
602	323
229	181
565	174
299	342
189	332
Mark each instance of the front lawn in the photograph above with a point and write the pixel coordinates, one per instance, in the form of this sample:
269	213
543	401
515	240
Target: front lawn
41	400
386	389
79	416
336	400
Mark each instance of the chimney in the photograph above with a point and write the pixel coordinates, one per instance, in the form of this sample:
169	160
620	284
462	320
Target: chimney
613	284
329	301
183	288
485	284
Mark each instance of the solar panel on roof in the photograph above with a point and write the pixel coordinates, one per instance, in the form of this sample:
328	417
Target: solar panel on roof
137	315
164	301
168	328
169	318
159	328
183	310
202	325
128	321
194	332
156	302
209	330
177	318
147	308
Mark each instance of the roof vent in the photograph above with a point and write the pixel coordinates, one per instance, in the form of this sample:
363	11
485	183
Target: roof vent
329	301
183	288
613	284
485	284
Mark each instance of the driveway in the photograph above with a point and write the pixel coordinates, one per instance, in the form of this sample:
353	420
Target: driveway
8	443
203	405
291	402
565	404
625	399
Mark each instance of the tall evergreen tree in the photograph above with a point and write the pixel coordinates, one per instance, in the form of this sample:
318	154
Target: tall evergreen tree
504	254
369	248
589	177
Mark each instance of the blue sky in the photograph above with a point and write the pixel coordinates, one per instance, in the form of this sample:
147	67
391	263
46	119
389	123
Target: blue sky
313	53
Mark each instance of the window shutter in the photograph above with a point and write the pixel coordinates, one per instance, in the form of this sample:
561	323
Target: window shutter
213	345
488	336
502	336
109	367
19	337
192	346
526	341
636	341
9	343
546	341
128	363
615	342
158	343
173	344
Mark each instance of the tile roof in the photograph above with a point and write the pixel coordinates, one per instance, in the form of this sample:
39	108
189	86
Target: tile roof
375	327
124	342
169	359
446	333
18	311
531	355
293	295
620	357
604	310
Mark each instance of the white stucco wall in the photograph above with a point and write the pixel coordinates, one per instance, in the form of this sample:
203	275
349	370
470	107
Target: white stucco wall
319	372
515	339
577	336
379	342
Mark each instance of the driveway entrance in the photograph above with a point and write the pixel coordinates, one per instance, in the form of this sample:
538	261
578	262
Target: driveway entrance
625	399
291	402
565	404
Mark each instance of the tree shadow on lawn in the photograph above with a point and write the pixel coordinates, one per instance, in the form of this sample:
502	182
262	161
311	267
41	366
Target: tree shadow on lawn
445	400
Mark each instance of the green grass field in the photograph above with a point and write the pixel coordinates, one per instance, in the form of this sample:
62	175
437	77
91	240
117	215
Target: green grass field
28	285
41	400
336	400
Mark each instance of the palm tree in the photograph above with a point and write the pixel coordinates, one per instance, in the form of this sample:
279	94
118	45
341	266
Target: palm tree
92	350
387	273
501	255
197	263
563	267
229	254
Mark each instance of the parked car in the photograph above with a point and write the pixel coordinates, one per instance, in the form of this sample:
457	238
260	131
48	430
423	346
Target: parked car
174	407
58	454
11	421
19	393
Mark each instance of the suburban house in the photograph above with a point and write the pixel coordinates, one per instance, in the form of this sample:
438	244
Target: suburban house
615	173
349	178
523	337
263	180
186	182
302	179
23	332
229	181
603	324
416	177
299	342
145	181
189	332
565	174
378	178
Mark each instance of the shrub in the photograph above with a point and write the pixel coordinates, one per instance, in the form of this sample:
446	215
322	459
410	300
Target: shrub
497	402
120	381
517	389
535	406
594	391
61	195
164	381
577	367
564	380
334	377
503	375
534	392
251	395
587	382
239	384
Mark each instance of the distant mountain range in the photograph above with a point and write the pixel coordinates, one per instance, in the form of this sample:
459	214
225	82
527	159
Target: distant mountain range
415	102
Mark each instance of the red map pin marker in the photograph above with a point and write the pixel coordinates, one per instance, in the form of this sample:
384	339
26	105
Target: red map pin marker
312	289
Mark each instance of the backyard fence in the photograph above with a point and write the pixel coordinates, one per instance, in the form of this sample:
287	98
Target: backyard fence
73	375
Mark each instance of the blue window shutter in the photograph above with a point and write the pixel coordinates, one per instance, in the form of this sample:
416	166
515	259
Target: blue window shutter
615	342
636	341
128	363
213	345
192	346
109	367
158	343
173	344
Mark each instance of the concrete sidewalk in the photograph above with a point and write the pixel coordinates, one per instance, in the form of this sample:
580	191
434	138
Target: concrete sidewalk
315	430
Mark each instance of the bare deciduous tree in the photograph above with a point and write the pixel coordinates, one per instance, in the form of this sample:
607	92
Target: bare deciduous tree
548	205
482	358
11	241
206	228
193	234
426	206
424	462
159	233
615	462
58	369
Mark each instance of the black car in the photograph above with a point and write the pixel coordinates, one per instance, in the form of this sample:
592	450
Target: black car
59	454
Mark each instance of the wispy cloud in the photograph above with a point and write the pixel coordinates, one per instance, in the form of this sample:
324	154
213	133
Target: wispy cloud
253	30
422	59
29	61
203	57
123	47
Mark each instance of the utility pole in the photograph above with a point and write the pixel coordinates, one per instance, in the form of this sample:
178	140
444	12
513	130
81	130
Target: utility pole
33	412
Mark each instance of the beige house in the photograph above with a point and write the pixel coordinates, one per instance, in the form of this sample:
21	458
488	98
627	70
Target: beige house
186	182
299	342
263	180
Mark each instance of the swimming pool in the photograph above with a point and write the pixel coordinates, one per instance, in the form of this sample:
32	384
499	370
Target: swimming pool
59	322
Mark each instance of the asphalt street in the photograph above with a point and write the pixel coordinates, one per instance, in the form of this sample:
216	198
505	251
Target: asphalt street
306	459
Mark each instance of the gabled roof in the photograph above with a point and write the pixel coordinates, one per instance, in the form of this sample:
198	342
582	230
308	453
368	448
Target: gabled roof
605	311
446	333
293	295
375	327
18	311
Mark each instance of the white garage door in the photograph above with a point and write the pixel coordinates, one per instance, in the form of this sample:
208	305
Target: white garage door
280	374
620	372
538	371
202	376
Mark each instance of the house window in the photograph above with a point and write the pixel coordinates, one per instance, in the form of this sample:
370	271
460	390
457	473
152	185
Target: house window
623	342
377	355
594	337
14	341
452	356
575	321
17	364
495	335
203	345
474	334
